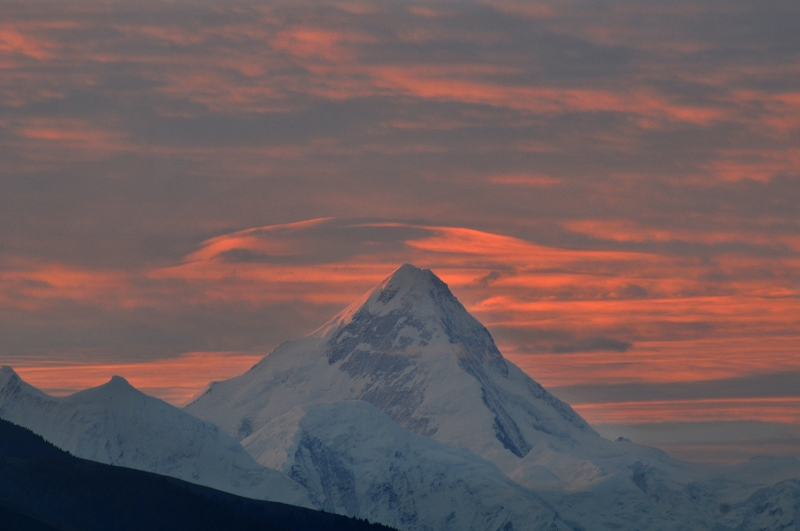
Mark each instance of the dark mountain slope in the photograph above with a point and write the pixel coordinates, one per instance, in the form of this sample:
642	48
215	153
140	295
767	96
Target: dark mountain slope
10	518
42	487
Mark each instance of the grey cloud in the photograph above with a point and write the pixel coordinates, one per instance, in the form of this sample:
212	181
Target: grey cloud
592	344
330	241
671	433
780	384
489	278
539	340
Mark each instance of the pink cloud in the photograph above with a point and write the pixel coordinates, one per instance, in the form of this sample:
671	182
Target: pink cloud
14	41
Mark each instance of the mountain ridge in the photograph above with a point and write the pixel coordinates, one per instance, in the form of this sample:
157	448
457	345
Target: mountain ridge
115	423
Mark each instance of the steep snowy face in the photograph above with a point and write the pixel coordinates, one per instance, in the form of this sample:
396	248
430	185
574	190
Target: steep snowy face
117	424
413	351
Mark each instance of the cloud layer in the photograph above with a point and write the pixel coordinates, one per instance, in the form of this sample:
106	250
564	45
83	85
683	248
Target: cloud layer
612	188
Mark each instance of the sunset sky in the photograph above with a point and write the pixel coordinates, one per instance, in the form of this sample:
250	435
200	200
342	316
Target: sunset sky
611	187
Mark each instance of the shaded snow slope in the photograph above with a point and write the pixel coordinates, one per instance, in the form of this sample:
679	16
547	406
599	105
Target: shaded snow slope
775	508
355	460
116	424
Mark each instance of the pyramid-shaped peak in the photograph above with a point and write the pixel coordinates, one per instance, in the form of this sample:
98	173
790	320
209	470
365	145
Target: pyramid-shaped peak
410	285
408	290
409	276
119	382
7	374
412	308
117	387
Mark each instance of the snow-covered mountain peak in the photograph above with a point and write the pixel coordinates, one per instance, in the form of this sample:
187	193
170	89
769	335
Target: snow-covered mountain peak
406	283
408	276
408	311
412	350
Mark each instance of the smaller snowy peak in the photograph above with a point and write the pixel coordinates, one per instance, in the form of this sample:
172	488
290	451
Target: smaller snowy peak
12	388
117	391
118	384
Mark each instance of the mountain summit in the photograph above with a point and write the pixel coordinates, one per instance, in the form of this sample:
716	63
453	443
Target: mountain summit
412	350
412	308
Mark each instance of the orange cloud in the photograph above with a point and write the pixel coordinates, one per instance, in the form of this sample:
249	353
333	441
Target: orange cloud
14	41
754	165
428	12
30	285
51	141
449	82
308	42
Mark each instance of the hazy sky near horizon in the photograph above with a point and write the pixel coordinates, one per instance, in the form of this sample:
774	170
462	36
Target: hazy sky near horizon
612	187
